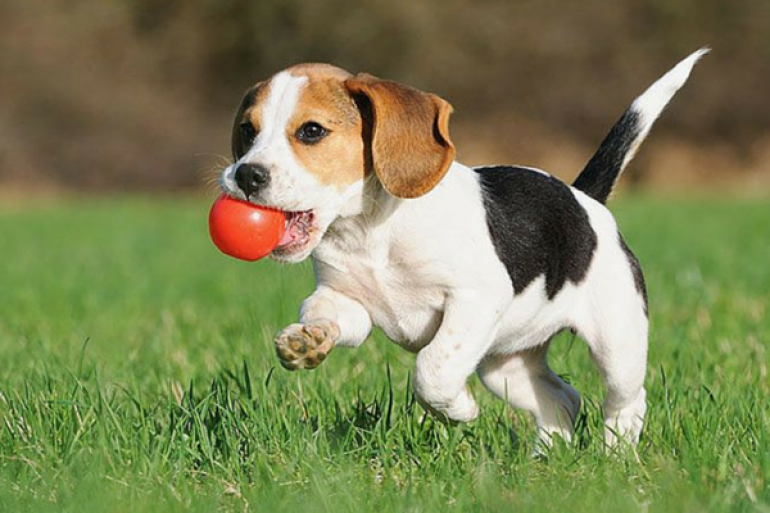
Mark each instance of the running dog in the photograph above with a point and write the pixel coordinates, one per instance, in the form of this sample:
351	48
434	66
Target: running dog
472	269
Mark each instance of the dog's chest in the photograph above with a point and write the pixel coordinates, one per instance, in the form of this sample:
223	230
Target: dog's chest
402	299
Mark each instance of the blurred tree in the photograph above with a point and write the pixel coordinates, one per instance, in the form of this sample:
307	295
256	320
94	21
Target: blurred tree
129	93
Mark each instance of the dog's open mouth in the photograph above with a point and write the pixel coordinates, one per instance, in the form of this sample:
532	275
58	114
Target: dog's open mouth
298	232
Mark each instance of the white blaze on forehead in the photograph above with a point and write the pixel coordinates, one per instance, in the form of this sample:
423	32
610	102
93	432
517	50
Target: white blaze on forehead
275	113
271	148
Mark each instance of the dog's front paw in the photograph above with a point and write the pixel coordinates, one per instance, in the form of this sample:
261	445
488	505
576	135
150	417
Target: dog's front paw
305	346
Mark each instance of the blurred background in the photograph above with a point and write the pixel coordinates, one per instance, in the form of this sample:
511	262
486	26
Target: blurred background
137	95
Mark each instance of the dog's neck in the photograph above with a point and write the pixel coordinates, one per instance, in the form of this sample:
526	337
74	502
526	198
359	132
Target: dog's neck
374	209
377	220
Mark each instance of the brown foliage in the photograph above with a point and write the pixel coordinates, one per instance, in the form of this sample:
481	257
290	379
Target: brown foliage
126	94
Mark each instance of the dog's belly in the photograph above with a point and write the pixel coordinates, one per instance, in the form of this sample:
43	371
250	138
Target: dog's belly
411	326
532	319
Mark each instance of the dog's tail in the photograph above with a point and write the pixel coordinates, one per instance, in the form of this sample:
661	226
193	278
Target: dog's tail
601	173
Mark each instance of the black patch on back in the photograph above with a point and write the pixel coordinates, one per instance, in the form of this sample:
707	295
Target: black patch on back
537	227
636	269
600	174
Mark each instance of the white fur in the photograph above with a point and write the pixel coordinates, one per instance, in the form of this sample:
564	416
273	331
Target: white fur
426	272
652	102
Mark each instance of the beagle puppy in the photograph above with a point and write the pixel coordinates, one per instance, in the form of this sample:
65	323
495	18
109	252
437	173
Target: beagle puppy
472	269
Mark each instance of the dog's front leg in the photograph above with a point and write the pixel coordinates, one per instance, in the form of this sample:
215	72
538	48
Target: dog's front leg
445	364
327	318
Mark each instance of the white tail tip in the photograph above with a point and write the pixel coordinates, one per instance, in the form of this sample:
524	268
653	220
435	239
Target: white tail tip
652	102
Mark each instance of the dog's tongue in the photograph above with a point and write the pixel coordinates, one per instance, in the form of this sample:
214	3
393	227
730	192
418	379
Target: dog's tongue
292	232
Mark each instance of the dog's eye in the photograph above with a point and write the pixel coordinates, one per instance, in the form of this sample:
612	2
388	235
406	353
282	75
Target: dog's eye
248	133
311	132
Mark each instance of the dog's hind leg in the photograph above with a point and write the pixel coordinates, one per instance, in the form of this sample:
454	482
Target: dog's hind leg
620	353
525	381
618	343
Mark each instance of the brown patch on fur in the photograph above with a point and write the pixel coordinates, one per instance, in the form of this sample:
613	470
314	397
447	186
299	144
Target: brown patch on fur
316	71
410	144
339	158
399	132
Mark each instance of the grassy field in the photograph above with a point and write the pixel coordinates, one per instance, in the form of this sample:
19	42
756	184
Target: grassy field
138	375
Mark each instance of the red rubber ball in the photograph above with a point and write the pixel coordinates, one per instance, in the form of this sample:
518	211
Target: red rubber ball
244	230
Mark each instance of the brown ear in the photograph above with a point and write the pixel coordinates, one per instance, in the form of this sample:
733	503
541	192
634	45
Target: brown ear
410	148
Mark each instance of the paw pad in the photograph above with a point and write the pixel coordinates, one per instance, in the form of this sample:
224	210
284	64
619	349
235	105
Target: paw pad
305	346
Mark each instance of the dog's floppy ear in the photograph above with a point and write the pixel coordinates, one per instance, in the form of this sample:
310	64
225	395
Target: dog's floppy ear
410	146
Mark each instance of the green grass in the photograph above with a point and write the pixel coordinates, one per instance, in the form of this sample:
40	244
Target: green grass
138	375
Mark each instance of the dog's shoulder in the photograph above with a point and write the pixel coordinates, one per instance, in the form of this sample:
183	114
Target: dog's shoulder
537	225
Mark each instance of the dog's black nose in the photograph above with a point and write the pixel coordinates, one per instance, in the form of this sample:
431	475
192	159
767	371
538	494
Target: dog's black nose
251	178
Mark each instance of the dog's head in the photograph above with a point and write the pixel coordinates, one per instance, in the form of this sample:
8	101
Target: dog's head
306	140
